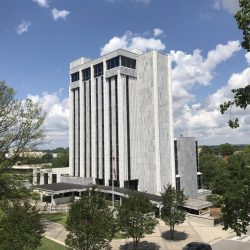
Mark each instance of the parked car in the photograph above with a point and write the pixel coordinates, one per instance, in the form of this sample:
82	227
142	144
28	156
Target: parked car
197	246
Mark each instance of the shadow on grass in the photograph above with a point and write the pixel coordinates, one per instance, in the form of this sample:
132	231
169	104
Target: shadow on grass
144	245
178	236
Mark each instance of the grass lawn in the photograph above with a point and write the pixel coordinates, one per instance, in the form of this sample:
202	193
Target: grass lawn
56	217
49	244
118	236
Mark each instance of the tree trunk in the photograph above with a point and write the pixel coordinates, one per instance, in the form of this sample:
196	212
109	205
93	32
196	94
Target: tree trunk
136	242
172	232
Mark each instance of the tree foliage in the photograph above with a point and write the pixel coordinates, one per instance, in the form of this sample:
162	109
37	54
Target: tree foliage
173	213
213	169
241	97
90	222
226	149
20	128
136	217
236	199
20	227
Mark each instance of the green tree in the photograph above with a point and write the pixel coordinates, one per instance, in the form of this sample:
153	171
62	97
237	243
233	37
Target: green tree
136	217
236	199
20	227
62	160
173	212
226	149
241	95
211	166
90	222
20	128
205	150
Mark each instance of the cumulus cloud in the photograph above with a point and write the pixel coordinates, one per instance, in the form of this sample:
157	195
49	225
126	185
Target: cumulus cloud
203	120
229	5
130	41
247	56
59	14
193	69
42	3
57	118
158	32
23	27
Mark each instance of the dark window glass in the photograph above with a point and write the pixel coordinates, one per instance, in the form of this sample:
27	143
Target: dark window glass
97	134
98	69
197	156
199	181
128	62
46	178
38	179
75	77
176	158
113	62
86	74
85	131
178	183
54	178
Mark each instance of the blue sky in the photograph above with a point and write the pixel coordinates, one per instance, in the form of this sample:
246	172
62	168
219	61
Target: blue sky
39	38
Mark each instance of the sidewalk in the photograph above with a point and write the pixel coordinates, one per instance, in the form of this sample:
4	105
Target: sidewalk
185	233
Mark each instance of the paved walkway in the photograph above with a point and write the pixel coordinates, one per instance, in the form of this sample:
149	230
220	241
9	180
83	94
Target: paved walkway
185	233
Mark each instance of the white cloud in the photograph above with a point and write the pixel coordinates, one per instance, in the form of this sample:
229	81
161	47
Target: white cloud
194	69
42	3
23	27
230	5
59	14
203	120
57	118
130	41
158	32
207	124
247	56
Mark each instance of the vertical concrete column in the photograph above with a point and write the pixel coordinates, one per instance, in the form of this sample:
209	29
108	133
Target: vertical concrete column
41	178
76	121
81	96
106	126
93	124
156	125
34	179
170	118
121	122
49	178
87	139
71	137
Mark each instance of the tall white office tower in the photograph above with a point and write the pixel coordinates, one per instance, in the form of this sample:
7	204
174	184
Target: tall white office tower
121	121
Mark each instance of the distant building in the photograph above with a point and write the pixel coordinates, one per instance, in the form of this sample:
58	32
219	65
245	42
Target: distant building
121	125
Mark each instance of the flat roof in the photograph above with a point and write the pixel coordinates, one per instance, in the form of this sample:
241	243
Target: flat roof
61	187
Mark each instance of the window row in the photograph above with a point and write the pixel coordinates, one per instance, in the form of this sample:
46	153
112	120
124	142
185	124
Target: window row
98	68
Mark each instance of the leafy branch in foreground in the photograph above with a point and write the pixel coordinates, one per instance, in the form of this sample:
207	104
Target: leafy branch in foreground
241	97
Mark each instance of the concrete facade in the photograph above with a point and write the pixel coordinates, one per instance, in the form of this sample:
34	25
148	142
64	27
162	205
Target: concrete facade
121	123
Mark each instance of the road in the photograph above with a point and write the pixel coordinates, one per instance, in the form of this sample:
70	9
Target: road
234	242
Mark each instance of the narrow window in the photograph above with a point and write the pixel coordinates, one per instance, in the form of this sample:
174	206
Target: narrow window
178	183
176	158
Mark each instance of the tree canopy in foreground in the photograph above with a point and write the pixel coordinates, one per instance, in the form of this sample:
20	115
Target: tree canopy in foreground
136	217
172	212
90	222
20	128
241	97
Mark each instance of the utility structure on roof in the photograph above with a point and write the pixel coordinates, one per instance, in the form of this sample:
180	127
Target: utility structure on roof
121	107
